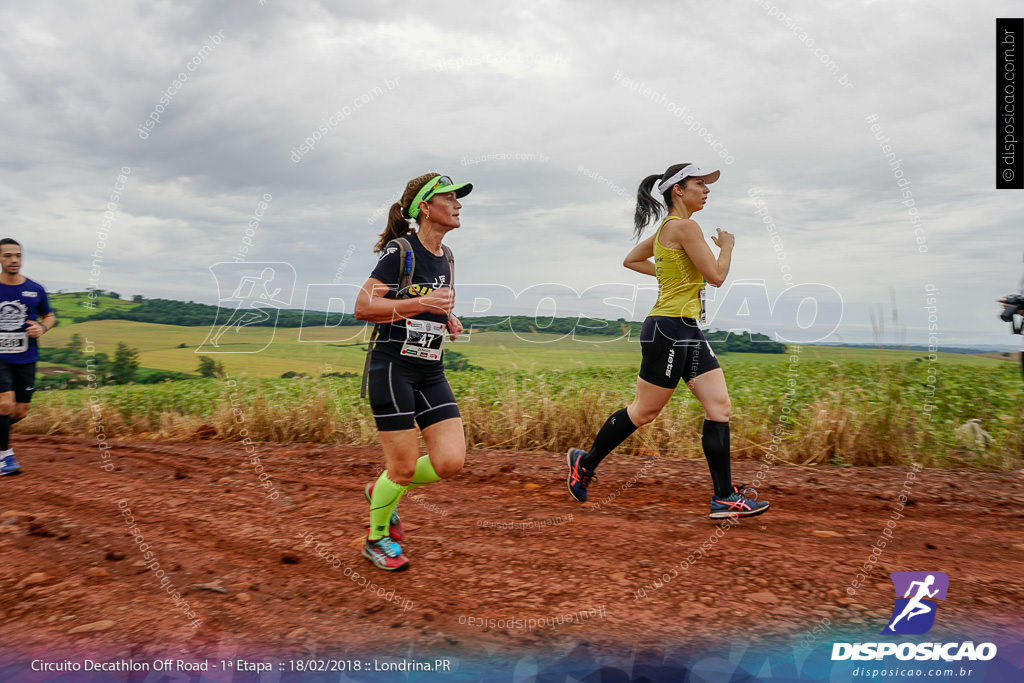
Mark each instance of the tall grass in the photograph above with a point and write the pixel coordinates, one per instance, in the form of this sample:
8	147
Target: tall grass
818	412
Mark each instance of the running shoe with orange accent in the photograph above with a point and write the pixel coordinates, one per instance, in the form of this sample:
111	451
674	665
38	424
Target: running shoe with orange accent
385	554
396	531
736	505
579	476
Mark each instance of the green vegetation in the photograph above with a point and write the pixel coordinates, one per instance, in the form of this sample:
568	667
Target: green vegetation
179	313
126	362
68	356
526	326
208	367
523	388
79	306
169	312
73	365
266	352
457	362
879	412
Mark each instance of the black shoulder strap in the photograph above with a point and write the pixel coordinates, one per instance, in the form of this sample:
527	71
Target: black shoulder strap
451	264
366	363
407	264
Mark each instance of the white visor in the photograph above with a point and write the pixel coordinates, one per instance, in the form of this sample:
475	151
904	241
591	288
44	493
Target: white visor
690	171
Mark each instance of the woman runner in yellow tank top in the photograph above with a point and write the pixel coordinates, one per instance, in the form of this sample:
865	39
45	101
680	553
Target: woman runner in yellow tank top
672	344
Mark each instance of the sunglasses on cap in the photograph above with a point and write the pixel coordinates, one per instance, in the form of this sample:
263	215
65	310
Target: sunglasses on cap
427	192
437	185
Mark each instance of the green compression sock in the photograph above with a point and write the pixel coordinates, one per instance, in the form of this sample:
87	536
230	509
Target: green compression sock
386	495
424	473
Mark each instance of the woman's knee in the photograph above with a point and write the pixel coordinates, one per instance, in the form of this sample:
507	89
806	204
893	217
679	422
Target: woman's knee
401	472
449	460
446	443
641	415
719	411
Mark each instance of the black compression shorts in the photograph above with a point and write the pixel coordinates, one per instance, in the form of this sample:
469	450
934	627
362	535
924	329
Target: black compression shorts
674	349
404	394
19	378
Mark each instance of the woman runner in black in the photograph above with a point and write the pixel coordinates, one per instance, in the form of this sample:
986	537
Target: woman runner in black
407	385
672	344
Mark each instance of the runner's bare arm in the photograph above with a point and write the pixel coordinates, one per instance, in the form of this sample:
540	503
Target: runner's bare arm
454	326
38	328
638	258
371	305
686	233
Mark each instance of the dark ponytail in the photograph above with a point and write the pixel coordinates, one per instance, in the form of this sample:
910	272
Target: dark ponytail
398	226
398	214
647	207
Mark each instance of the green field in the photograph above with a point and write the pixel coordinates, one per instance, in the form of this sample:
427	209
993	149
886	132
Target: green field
878	412
838	405
265	352
248	351
68	306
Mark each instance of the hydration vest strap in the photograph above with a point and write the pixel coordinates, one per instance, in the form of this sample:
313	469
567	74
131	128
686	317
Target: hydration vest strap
407	265
366	363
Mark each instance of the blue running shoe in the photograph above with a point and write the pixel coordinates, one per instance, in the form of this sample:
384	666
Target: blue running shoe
9	465
579	476
386	554
396	530
736	505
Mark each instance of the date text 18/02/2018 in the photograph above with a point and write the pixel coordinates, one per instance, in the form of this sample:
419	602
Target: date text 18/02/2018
328	665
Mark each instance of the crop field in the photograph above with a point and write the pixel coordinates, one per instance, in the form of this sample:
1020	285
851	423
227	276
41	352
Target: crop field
816	409
536	391
265	352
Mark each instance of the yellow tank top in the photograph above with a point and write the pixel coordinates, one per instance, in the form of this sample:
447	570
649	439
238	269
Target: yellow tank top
680	284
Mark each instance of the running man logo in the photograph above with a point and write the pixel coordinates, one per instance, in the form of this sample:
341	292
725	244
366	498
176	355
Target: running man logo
249	295
914	612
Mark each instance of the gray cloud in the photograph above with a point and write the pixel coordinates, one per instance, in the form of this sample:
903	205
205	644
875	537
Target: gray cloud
525	101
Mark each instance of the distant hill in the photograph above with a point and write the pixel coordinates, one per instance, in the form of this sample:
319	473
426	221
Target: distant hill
79	307
724	342
170	312
945	348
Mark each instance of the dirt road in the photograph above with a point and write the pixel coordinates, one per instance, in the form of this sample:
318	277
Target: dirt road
503	560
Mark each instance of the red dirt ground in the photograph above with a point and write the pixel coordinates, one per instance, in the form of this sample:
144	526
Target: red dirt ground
74	581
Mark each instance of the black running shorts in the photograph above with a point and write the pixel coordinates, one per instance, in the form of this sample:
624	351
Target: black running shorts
674	348
19	378
404	394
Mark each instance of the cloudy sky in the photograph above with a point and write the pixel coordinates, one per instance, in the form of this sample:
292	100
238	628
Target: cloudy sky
555	111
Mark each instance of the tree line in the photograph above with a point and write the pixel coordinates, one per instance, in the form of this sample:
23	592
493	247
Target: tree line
171	312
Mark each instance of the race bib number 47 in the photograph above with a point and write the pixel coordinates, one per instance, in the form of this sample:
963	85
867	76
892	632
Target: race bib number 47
13	342
423	339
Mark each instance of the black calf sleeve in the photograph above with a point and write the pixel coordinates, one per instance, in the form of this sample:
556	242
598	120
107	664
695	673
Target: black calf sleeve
5	432
715	441
616	429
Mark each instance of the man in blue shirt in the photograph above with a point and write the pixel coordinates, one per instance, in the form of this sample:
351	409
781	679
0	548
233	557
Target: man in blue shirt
25	316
